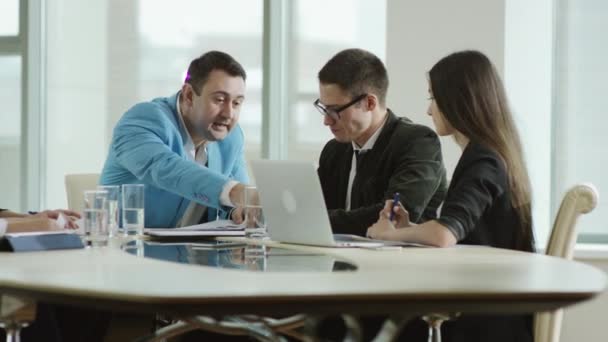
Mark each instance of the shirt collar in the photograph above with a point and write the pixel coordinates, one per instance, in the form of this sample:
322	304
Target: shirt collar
182	125
369	144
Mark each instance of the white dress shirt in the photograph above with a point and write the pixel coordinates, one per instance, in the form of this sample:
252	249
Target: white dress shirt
3	226
369	144
195	211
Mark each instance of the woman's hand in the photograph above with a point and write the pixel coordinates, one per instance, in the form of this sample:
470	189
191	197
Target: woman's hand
54	214
384	229
69	215
401	218
31	224
381	230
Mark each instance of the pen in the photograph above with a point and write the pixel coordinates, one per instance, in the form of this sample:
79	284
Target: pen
395	204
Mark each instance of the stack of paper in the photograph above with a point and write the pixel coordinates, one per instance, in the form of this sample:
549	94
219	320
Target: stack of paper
40	241
213	228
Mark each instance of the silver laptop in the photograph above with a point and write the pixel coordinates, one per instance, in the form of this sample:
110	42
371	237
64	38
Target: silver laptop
294	207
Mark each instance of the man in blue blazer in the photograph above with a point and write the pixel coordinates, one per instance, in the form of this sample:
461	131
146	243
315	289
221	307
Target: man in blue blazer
187	148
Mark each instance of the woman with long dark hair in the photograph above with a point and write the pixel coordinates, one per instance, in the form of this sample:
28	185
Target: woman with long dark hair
488	200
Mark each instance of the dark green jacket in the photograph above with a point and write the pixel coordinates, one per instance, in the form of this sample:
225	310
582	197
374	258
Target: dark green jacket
406	158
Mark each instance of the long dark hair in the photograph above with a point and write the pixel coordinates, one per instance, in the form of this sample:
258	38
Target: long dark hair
471	96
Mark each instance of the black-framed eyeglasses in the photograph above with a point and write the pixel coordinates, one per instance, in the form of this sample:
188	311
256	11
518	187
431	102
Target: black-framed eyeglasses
334	113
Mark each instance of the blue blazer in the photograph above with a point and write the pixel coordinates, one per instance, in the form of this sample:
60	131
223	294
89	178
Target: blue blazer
148	148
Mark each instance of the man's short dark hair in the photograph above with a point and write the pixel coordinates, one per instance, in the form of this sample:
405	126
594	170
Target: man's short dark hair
200	68
357	72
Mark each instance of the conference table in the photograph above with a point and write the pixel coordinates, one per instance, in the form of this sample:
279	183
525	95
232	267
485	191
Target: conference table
269	278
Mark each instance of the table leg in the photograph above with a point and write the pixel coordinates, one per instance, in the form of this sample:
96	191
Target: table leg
434	322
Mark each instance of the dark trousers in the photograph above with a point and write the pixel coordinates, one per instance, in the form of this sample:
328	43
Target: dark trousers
468	328
56	323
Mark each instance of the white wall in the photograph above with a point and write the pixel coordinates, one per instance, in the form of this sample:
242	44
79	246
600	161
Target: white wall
517	35
585	322
419	33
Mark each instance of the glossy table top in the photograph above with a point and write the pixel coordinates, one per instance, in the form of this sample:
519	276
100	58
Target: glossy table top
465	279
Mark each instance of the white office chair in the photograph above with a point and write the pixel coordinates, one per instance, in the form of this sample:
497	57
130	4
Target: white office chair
75	185
580	199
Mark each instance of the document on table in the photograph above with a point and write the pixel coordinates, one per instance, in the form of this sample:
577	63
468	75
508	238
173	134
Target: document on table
214	225
40	241
213	228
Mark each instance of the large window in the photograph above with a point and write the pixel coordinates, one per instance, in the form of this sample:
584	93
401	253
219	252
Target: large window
9	18
190	28
100	57
10	131
321	29
580	106
105	56
11	116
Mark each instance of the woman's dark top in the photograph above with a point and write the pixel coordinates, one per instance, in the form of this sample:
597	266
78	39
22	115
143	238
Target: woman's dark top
478	210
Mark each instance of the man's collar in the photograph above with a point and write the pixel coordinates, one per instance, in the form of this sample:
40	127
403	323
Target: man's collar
182	124
369	144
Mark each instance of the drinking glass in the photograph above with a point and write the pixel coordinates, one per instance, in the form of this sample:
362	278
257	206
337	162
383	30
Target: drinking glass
113	210
95	221
133	209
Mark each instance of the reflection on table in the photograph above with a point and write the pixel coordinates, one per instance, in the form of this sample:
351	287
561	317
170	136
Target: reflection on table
235	255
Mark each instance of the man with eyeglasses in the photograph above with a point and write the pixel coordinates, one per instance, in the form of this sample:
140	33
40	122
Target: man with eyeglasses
374	153
188	148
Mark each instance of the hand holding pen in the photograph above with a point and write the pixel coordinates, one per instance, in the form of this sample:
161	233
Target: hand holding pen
396	213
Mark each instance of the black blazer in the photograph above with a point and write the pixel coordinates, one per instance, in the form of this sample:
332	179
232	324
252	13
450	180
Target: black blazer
477	208
406	158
